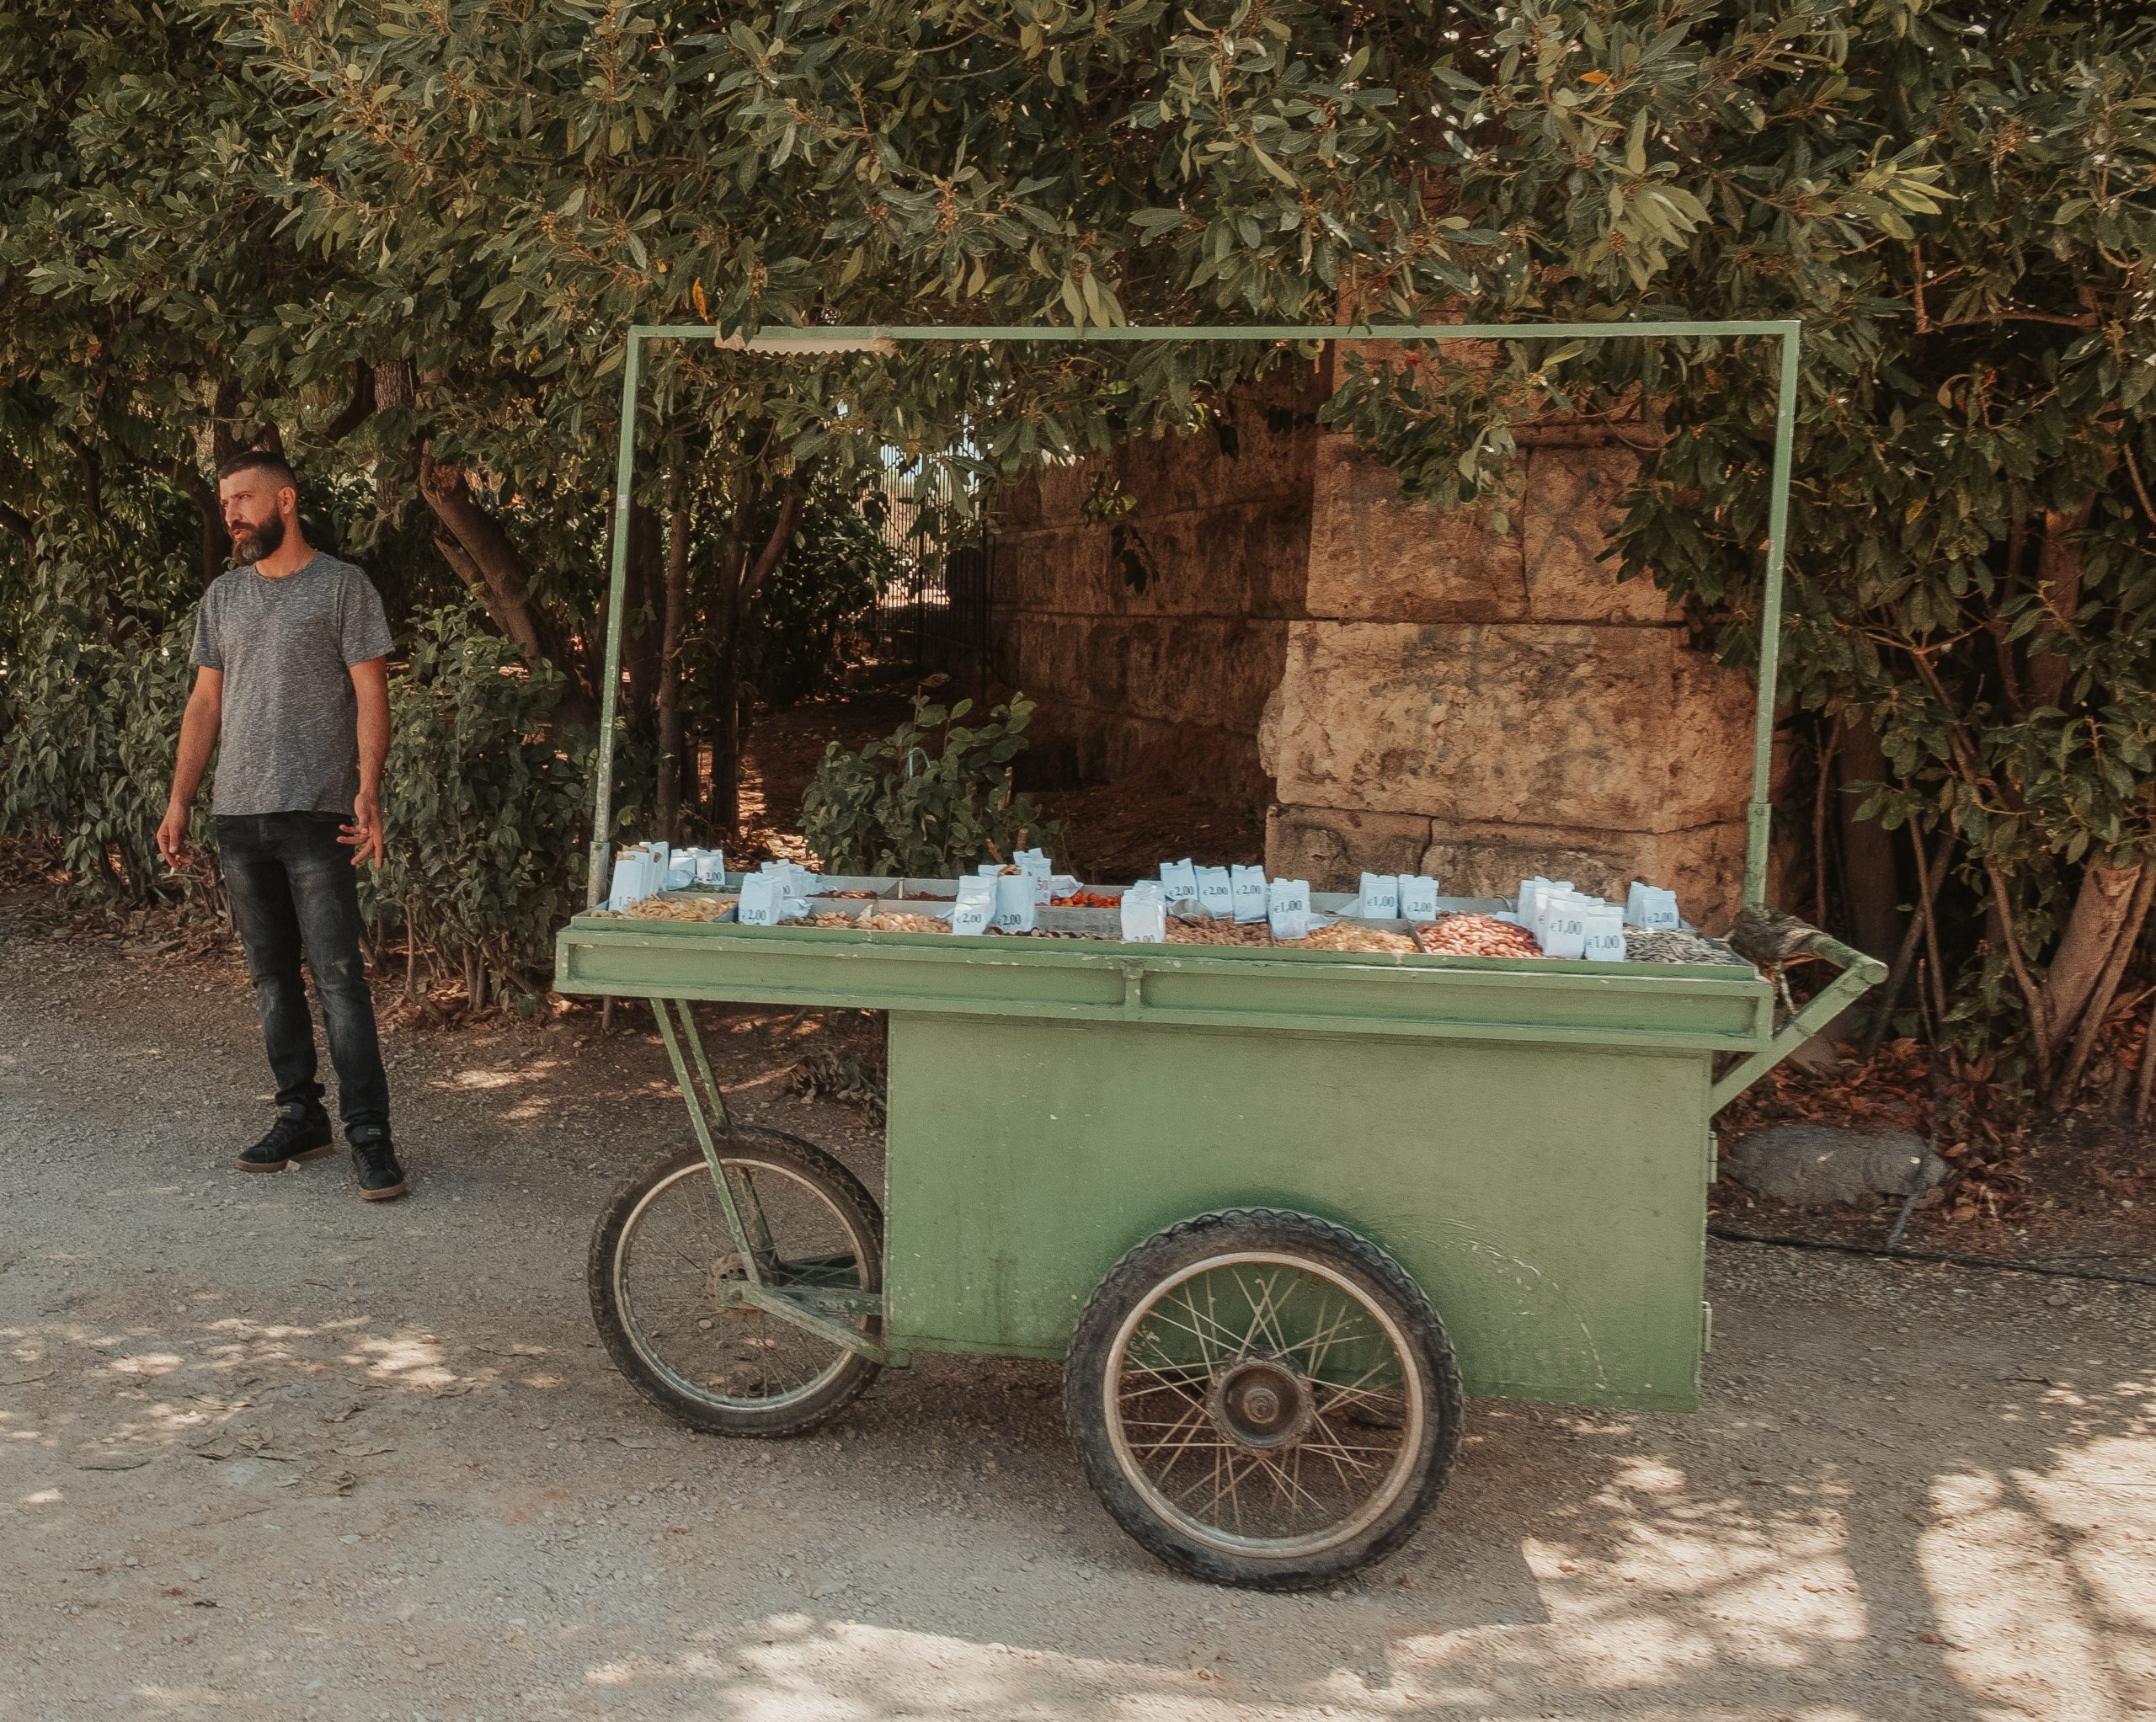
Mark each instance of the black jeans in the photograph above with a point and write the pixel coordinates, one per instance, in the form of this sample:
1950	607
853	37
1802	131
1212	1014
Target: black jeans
292	889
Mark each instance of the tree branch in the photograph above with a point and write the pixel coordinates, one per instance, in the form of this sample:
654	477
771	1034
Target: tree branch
356	411
2039	1019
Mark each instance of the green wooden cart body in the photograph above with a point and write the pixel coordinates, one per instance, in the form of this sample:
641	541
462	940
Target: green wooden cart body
1530	1138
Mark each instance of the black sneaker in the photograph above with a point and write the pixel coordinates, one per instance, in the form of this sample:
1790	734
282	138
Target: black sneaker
374	1157
298	1135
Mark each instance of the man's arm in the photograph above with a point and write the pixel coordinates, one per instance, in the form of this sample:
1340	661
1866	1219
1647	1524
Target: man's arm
370	684
198	739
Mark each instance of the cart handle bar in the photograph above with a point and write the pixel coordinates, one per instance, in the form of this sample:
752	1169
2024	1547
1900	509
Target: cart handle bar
1771	940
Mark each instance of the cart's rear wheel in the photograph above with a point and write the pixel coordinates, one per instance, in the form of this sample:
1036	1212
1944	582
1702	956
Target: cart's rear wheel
663	1262
1263	1398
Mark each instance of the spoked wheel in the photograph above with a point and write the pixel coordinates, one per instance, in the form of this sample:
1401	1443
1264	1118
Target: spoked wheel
666	1281
1263	1398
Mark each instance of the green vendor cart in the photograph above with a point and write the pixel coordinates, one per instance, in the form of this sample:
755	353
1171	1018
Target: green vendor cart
1276	1210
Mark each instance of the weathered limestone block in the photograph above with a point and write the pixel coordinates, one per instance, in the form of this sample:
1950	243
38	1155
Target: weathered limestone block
1209	671
1704	864
1565	518
1331	847
1617	728
1375	557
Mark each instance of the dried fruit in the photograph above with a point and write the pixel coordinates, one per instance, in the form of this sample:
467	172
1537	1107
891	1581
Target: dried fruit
1346	935
1086	899
1186	931
899	920
680	908
1675	944
1475	935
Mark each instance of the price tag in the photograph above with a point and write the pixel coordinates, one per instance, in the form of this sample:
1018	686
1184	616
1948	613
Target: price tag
763	900
1605	934
1246	892
1418	897
1563	930
1216	893
1015	903
1288	908
1145	914
1651	906
1381	898
975	907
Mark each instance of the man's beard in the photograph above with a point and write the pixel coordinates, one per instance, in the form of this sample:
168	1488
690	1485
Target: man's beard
252	543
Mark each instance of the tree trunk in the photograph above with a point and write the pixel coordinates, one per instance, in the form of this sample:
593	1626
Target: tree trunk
24	528
2058	583
1869	878
672	625
491	565
216	547
2102	909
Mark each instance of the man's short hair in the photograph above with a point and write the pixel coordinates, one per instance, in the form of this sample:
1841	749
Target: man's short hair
260	460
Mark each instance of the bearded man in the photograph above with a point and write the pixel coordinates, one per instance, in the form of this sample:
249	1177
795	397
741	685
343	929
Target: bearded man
292	691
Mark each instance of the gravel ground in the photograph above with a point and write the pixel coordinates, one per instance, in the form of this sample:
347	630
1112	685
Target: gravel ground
266	1452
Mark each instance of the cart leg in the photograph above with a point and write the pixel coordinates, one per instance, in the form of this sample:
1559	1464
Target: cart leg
758	1229
752	1260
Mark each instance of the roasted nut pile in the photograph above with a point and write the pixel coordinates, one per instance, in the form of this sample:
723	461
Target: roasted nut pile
680	908
826	918
1675	945
1345	936
899	920
1184	930
1475	935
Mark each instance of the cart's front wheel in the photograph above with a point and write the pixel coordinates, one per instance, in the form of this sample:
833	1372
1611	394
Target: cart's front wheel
666	1280
1263	1398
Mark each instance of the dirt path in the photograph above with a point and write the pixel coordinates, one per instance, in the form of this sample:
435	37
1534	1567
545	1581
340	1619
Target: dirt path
268	1452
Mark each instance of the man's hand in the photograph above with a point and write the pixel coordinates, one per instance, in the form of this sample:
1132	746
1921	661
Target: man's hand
364	833
172	838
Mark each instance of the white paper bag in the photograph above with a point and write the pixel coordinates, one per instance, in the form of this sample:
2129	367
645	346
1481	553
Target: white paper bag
763	900
1014	903
1216	893
1651	906
710	866
1178	881
975	906
1605	941
1418	897
1381	898
1246	892
1144	912
1561	930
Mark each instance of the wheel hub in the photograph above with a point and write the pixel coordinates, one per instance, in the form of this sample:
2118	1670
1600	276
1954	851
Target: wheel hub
1261	1401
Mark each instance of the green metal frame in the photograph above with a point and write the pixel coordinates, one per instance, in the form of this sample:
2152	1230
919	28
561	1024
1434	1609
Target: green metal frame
1758	812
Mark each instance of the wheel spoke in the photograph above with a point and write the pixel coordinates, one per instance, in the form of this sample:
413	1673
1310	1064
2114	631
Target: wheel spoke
1228	1362
674	1254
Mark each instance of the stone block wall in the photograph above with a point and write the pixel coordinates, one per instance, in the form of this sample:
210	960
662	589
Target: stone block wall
1483	707
1167	683
1406	688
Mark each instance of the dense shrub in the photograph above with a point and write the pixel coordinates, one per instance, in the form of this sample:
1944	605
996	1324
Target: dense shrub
898	809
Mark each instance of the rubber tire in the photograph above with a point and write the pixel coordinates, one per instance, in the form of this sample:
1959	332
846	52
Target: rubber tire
1380	1276
805	1160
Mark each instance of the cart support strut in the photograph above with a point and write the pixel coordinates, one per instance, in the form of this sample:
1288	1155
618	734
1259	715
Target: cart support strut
815	1310
1770	939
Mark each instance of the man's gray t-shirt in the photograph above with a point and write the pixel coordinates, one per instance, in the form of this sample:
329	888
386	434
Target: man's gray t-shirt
289	741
